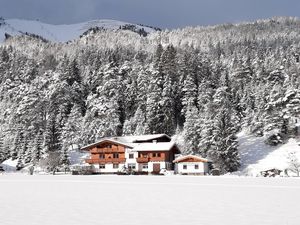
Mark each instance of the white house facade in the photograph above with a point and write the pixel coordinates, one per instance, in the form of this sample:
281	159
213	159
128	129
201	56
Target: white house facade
191	165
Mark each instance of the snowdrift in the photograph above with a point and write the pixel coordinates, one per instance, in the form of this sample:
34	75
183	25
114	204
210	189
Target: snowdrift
256	156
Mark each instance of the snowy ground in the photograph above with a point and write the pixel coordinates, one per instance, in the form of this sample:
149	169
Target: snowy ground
66	199
256	156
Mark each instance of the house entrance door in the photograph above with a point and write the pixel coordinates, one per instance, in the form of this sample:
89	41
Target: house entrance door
156	167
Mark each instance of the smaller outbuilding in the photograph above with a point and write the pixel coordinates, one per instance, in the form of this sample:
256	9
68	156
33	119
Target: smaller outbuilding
191	165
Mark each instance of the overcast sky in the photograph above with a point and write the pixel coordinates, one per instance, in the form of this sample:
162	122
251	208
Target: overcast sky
160	13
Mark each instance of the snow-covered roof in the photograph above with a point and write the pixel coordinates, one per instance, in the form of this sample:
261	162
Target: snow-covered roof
130	145
129	141
159	146
140	138
187	158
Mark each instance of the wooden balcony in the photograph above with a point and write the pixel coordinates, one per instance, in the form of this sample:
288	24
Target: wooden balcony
106	150
142	160
104	161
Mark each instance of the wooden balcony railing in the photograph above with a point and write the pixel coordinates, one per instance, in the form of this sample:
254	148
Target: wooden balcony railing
103	161
155	159
142	160
106	150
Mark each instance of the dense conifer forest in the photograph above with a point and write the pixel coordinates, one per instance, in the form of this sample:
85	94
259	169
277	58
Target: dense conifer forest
204	84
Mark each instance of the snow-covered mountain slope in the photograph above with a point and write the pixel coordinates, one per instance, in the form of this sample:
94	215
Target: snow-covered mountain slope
256	156
64	33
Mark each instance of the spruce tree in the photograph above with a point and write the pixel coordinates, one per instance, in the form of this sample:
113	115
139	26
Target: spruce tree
223	150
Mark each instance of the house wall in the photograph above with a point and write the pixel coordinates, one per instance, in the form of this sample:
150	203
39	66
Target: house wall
107	149
108	168
135	155
162	165
164	155
203	168
128	151
138	166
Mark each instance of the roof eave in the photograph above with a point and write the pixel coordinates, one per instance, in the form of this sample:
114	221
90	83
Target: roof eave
105	140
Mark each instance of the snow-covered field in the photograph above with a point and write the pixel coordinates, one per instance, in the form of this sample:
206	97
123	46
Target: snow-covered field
66	199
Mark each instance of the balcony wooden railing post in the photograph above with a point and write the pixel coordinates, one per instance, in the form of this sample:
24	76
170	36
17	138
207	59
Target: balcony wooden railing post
106	150
142	160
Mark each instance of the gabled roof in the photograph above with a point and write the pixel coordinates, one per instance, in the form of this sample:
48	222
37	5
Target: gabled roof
130	145
128	141
190	158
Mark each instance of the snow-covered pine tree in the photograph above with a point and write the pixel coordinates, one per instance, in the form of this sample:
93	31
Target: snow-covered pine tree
17	143
192	130
103	112
52	136
64	159
3	153
190	85
154	111
71	132
37	148
224	146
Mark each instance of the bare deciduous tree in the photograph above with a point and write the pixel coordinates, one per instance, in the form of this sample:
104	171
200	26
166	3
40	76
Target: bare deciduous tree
293	163
51	162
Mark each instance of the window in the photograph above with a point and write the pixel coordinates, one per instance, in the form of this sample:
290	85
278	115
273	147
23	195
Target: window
102	156
116	155
145	166
131	166
131	156
102	166
196	167
145	155
108	146
156	154
115	166
184	167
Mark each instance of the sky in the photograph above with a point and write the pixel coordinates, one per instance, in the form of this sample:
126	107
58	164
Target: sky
160	13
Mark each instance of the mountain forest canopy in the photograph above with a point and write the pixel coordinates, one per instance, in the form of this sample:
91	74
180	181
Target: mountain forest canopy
203	83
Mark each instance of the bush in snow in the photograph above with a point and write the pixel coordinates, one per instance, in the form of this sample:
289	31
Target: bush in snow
274	137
